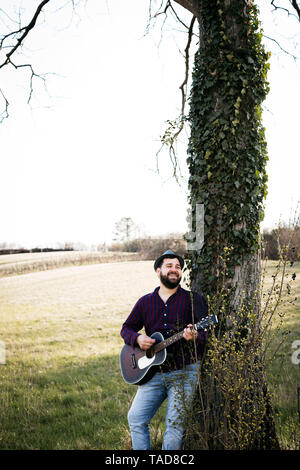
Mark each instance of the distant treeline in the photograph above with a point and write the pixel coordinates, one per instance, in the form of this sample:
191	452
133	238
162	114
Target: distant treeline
150	248
275	243
12	251
282	241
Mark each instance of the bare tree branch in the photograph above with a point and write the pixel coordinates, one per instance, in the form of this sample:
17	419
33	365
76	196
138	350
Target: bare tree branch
32	76
17	37
283	50
187	62
177	17
191	5
4	114
14	40
175	127
153	17
25	31
296	6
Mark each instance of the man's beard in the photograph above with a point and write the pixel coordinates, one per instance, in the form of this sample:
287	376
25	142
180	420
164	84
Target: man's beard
169	283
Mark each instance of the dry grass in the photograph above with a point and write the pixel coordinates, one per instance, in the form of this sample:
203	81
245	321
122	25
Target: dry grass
283	375
61	386
29	262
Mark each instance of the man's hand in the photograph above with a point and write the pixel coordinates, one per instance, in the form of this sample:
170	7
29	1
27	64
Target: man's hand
145	342
190	334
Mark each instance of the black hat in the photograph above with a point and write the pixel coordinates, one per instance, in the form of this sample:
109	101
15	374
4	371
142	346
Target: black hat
168	254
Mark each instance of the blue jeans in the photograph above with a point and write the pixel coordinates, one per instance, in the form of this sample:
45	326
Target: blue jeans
178	386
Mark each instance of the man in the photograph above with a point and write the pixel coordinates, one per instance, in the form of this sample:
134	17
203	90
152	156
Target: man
168	309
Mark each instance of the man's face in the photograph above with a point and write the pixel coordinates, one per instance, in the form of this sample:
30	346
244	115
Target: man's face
170	273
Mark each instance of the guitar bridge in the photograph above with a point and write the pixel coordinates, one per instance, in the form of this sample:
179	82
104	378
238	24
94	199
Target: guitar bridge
133	361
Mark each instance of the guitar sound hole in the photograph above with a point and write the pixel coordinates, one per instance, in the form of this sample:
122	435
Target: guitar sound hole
150	353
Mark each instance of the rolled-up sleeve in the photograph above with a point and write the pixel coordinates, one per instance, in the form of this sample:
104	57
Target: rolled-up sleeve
132	325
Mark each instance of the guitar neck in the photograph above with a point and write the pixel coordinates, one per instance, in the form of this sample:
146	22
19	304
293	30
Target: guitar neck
167	342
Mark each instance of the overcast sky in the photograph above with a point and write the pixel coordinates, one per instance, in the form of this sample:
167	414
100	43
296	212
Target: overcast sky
83	154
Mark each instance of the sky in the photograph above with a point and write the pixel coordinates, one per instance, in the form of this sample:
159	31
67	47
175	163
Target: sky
83	154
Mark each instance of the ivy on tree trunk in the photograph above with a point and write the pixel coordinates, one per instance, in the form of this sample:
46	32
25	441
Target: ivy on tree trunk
227	148
227	163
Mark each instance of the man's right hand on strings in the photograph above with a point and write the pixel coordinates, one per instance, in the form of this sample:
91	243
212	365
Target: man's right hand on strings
145	342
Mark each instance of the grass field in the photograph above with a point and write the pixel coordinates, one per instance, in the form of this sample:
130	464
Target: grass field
61	386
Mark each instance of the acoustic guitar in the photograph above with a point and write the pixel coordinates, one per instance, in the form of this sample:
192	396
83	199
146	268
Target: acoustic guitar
138	366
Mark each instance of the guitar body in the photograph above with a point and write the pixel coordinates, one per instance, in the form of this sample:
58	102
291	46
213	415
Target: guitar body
138	366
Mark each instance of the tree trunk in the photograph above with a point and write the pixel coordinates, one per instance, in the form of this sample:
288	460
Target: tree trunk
227	160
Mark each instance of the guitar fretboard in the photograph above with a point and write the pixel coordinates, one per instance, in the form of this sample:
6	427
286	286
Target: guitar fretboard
167	342
204	323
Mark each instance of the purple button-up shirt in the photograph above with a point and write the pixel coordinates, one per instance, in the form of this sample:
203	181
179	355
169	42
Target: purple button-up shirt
152	313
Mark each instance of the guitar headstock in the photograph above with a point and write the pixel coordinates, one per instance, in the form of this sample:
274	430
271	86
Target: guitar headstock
206	322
